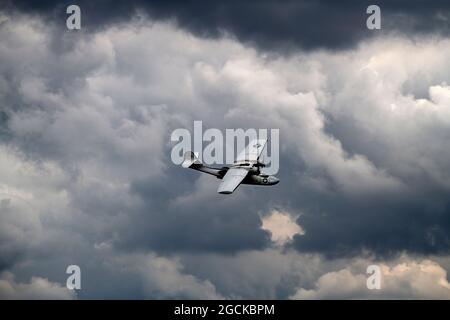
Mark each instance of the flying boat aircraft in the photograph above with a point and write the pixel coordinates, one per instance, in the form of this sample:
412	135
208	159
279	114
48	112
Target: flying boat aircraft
246	169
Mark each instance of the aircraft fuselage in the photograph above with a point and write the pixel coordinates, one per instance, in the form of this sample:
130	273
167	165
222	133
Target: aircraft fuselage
263	180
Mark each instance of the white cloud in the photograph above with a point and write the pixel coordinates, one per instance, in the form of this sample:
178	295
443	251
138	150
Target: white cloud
402	280
37	288
29	192
130	93
282	226
161	277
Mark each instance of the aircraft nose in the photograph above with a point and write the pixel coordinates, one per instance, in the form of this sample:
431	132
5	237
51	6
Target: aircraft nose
275	180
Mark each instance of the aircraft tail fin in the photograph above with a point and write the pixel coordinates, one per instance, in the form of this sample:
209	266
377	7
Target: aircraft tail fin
190	158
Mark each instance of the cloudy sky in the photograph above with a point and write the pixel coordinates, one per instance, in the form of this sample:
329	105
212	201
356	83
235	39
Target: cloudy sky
86	176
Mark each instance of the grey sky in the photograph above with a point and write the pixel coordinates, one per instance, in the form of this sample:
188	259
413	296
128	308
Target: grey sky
86	176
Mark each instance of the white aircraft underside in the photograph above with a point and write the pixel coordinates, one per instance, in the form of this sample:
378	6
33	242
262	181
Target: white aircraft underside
245	170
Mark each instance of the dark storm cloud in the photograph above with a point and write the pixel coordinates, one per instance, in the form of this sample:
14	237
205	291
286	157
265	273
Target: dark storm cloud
89	136
177	210
188	225
270	24
385	227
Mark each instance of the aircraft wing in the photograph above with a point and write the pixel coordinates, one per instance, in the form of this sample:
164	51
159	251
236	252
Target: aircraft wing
252	152
232	180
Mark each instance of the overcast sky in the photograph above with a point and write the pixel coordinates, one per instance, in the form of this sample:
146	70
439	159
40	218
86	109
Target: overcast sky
86	176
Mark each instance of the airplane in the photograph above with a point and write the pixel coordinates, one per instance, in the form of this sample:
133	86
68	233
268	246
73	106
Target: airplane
245	170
